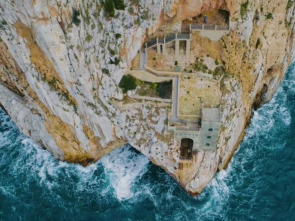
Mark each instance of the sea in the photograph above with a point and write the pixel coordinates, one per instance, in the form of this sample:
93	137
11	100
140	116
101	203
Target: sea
259	183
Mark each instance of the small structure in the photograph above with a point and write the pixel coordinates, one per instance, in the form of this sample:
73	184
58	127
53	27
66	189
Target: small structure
203	137
210	128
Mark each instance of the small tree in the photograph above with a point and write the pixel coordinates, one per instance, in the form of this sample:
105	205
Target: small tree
109	8
127	83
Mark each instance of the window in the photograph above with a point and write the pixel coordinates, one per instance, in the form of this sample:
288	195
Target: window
208	144
210	129
209	137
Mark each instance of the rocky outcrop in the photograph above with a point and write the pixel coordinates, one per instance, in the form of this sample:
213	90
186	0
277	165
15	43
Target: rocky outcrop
59	76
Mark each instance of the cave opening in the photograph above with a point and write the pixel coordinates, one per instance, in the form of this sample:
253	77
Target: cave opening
186	148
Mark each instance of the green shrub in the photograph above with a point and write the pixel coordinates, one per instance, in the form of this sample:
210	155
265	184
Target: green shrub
88	38
290	4
128	83
105	71
75	18
118	35
119	4
244	8
109	8
154	85
269	15
145	15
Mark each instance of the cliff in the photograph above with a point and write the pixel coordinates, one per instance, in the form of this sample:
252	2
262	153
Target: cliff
61	63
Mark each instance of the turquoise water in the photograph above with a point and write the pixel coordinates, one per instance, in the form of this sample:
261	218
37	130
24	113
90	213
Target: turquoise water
258	185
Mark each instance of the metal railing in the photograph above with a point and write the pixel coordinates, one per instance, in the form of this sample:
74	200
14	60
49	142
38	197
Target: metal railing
183	36
170	38
161	40
151	43
209	27
226	27
196	27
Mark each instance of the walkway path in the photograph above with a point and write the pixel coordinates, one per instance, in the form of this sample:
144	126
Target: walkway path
142	59
175	99
149	77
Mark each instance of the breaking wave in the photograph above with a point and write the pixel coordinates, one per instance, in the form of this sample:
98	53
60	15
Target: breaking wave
257	185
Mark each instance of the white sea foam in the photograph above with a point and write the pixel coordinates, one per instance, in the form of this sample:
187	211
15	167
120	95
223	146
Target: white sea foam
124	166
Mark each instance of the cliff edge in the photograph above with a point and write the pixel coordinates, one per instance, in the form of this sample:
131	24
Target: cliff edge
175	79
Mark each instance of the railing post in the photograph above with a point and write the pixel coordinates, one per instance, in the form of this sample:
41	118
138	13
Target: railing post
203	26
215	27
190	27
158	47
164	46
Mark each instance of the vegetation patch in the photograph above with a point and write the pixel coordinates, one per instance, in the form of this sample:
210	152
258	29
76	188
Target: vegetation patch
162	89
115	62
244	8
129	83
199	66
118	35
258	42
269	15
119	4
290	4
111	5
75	18
88	38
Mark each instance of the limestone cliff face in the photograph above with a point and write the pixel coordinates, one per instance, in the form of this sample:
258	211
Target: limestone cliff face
59	81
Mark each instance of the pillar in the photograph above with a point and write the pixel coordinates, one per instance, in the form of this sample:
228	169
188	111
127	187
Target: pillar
164	47
188	48
158	47
176	47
